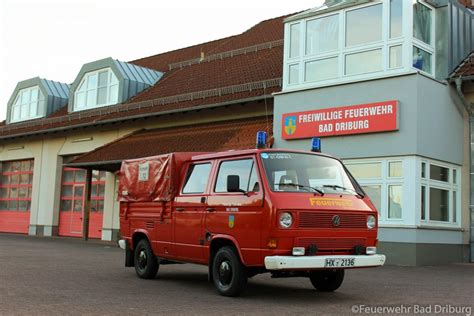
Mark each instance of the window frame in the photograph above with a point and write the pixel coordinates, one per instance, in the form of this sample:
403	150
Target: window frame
454	207
96	89
218	167
364	46
17	186
299	41
97	181
429	48
209	178
343	51
406	40
412	183
40	104
333	52
384	182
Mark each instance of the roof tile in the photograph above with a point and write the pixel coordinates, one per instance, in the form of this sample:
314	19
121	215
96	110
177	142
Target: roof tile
235	134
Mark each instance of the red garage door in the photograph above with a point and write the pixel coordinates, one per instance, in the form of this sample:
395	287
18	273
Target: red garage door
16	178
71	212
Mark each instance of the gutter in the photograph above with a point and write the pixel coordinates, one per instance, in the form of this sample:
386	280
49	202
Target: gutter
134	117
458	82
99	165
88	164
320	11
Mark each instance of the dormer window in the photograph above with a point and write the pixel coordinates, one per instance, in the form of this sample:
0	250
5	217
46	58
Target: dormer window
107	82
29	104
97	88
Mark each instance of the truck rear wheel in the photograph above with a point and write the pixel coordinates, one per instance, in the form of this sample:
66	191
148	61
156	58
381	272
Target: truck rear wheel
146	263
228	273
327	280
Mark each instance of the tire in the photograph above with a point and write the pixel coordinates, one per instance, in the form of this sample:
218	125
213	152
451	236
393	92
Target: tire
327	280
146	263
228	273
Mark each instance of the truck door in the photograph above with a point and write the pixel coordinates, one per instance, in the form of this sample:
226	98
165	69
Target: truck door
238	213
189	208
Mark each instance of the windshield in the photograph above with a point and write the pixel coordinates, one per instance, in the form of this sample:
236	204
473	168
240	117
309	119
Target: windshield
290	172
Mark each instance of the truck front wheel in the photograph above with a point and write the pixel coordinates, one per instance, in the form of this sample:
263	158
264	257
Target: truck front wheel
146	264
228	273
327	280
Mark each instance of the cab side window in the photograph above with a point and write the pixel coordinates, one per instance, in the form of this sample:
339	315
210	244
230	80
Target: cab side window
196	178
245	169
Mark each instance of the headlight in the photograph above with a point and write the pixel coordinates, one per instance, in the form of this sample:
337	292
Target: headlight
286	220
371	222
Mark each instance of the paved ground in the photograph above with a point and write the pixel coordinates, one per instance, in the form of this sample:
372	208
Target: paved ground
64	276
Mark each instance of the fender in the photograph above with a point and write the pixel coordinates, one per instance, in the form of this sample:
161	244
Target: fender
230	238
140	231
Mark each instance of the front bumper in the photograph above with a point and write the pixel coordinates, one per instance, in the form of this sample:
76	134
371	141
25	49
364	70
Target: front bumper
122	244
318	262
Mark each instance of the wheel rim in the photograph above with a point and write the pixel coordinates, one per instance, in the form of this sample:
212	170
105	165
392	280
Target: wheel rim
225	273
142	259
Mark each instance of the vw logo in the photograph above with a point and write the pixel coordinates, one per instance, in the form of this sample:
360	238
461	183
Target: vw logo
336	220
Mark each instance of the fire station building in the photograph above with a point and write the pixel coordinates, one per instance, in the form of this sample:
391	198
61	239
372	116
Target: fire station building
387	85
373	80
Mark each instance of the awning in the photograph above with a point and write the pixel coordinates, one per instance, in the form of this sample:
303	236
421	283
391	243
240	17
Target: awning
208	137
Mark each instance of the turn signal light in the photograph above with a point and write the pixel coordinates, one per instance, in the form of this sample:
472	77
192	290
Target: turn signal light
371	250
272	243
298	251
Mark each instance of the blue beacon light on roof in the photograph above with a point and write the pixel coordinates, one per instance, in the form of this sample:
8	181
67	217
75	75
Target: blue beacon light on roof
316	144
261	139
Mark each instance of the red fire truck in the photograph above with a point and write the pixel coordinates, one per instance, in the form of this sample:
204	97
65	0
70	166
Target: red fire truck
245	212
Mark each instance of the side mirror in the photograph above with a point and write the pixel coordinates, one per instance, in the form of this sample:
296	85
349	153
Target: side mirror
233	183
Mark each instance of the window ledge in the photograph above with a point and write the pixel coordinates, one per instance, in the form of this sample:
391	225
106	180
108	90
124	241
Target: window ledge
435	227
74	110
397	226
425	227
26	119
348	80
428	76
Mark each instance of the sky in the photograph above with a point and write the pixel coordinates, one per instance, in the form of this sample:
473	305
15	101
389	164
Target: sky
53	39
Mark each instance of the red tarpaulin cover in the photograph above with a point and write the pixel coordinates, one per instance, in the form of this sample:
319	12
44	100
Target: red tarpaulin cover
151	179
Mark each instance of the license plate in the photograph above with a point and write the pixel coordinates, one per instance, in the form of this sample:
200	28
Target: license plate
339	262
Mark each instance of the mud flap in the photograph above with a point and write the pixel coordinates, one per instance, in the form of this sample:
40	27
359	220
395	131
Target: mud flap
129	258
209	272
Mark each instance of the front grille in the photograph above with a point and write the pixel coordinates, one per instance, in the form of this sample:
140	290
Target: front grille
318	219
332	245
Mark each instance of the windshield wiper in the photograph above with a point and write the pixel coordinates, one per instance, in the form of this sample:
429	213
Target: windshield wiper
297	185
335	186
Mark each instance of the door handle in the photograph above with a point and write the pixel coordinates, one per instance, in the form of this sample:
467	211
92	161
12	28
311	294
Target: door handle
179	209
210	209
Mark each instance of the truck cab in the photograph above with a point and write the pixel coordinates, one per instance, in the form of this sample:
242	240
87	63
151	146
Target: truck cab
285	212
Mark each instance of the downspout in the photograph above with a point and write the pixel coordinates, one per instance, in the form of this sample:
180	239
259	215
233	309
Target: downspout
468	106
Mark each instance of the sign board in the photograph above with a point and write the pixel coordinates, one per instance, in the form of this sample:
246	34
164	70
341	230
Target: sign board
345	120
143	171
